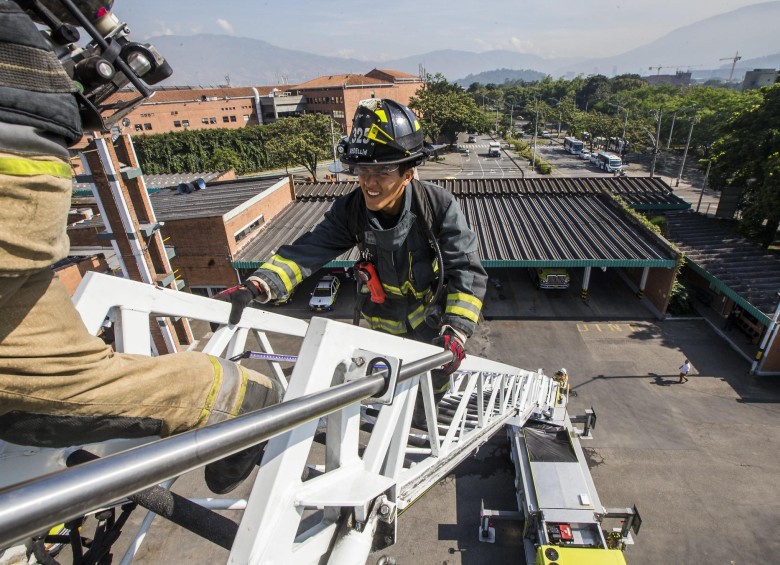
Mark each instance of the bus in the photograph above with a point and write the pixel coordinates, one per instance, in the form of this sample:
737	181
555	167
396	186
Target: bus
573	145
608	162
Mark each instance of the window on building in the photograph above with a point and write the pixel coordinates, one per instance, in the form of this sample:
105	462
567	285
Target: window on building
174	113
225	119
185	123
204	120
213	120
176	123
232	118
249	228
246	117
338	114
139	127
147	126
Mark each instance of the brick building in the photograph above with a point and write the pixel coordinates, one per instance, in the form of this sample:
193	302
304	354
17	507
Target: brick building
180	108
338	95
206	227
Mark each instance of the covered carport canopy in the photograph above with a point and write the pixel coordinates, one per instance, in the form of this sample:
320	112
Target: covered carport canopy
557	222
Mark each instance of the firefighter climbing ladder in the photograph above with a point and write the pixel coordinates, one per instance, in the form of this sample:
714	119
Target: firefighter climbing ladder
357	386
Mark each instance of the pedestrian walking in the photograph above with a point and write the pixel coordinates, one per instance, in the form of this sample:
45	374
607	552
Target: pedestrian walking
684	369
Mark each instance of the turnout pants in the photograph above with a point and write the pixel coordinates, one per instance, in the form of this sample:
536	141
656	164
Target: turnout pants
59	385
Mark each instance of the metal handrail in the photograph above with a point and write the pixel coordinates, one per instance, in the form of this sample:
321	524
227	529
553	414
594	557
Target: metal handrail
33	506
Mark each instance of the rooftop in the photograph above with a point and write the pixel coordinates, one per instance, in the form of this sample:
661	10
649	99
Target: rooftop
216	199
743	270
558	222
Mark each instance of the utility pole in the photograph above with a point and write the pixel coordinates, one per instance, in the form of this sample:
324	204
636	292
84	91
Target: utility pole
687	145
625	125
536	130
703	184
657	142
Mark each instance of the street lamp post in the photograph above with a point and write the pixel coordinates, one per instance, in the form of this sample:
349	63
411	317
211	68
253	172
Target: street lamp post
656	141
703	184
687	145
625	122
536	130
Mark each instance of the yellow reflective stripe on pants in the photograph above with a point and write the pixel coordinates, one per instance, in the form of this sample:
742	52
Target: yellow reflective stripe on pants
19	167
227	391
465	305
388	326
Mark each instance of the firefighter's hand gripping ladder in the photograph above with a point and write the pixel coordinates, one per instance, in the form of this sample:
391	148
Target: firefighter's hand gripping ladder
344	376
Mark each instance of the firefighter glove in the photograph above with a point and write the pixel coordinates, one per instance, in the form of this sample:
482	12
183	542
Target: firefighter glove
239	297
454	345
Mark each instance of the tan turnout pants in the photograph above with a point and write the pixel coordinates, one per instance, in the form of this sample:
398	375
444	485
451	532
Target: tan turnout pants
59	385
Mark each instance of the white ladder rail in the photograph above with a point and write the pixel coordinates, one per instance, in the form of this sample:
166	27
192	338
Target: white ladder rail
489	394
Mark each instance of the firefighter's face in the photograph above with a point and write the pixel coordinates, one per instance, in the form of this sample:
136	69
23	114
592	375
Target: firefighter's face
383	187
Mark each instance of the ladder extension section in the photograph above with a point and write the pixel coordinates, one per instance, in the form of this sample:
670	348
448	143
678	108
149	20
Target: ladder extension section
308	501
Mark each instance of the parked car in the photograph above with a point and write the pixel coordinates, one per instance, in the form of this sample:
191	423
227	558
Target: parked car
323	297
546	134
585	155
285	299
550	277
472	138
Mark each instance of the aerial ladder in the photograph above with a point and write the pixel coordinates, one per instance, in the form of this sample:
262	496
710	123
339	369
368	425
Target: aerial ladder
353	389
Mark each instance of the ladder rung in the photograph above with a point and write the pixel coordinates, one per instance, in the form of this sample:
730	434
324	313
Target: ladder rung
351	486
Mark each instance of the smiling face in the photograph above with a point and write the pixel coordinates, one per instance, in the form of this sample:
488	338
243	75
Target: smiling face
383	187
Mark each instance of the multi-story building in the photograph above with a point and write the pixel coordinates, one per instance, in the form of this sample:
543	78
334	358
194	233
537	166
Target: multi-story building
758	78
182	108
338	95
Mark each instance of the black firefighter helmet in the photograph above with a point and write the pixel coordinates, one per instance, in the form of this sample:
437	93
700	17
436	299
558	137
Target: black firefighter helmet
384	132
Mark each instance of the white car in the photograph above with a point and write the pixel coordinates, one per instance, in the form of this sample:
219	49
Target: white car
323	298
585	155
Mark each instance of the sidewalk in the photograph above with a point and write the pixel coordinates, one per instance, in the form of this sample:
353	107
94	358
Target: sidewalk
736	339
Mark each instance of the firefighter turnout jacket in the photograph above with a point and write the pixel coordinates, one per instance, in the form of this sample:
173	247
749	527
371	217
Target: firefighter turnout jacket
404	257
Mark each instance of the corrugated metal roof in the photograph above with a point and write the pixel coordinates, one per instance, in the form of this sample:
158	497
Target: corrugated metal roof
743	270
639	192
215	200
542	221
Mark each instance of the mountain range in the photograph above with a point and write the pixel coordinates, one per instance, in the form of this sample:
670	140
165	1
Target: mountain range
210	60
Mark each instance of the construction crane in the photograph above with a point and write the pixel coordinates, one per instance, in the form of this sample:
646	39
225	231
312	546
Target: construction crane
658	68
733	60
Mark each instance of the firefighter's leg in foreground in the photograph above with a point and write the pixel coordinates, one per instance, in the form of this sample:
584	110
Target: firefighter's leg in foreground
61	386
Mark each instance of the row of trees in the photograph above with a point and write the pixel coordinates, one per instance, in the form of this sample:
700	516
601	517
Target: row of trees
297	141
735	134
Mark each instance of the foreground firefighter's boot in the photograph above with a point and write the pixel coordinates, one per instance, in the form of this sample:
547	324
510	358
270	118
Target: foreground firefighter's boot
226	474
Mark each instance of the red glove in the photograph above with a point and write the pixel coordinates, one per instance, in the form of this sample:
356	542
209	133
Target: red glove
239	297
453	344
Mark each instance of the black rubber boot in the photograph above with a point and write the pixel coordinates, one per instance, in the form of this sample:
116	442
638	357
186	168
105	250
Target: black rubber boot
226	474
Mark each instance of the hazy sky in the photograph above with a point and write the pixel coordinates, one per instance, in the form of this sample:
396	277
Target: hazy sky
399	28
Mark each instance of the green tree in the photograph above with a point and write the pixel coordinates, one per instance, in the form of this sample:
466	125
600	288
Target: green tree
302	140
446	109
747	156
